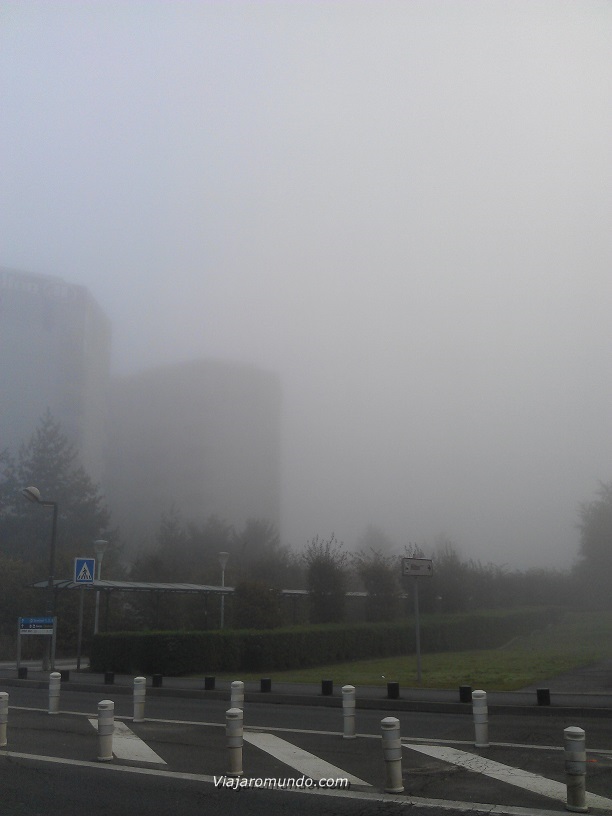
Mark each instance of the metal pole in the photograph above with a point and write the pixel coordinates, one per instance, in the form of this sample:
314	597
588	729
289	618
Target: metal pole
222	597
80	633
97	614
4	705
417	624
49	646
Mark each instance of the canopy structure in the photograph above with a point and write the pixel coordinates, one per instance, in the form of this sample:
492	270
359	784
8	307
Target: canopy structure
136	586
147	586
157	590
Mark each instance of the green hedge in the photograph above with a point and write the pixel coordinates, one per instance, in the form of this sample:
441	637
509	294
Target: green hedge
177	653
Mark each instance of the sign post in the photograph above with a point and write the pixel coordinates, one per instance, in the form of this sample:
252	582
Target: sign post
84	571
417	568
36	626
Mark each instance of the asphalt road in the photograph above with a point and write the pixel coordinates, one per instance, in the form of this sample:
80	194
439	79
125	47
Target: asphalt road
50	765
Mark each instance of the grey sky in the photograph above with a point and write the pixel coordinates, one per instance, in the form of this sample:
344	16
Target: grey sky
402	207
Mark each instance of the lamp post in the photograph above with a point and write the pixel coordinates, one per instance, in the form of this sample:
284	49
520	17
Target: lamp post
223	556
99	548
32	494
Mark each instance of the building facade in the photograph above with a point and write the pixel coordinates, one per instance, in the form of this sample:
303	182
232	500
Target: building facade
202	438
55	345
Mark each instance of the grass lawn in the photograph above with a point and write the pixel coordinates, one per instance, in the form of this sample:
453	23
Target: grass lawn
580	640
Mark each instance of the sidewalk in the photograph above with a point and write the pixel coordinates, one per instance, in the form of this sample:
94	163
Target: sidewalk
586	691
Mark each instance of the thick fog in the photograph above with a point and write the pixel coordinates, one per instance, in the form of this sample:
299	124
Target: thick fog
403	208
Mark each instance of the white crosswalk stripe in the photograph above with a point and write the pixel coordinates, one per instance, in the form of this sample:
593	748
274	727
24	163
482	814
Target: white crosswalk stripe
126	745
302	761
506	773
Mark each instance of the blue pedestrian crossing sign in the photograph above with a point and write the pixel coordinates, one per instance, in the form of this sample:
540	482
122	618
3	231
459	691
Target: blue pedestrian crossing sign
84	570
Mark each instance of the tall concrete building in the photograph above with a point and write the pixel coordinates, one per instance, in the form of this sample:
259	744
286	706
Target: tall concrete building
202	437
55	345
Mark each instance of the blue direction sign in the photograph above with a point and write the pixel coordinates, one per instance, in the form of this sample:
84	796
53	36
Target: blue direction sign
36	626
84	570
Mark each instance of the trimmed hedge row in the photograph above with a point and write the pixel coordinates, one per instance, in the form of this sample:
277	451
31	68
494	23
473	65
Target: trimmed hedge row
176	653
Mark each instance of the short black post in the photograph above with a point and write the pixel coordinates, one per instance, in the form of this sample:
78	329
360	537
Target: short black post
465	694
65	675
209	684
393	690
543	695
109	678
327	687
157	681
266	684
22	673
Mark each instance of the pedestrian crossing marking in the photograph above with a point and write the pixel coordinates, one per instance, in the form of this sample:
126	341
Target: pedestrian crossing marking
303	761
126	745
505	773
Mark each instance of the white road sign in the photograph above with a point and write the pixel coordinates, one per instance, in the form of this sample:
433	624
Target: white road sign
417	567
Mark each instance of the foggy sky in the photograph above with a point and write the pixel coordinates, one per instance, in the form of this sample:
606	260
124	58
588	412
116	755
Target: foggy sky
404	208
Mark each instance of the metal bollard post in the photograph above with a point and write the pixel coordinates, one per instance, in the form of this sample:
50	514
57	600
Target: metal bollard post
3	717
140	690
392	753
234	733
55	681
106	726
481	718
348	711
465	694
393	690
237	694
575	769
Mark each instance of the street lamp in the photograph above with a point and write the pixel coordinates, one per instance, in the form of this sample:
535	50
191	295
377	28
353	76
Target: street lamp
99	548
223	556
32	494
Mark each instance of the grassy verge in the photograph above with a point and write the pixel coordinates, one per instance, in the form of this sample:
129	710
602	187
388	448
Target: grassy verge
582	639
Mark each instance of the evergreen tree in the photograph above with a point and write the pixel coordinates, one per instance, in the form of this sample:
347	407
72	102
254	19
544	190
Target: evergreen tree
49	462
595	564
380	575
327	575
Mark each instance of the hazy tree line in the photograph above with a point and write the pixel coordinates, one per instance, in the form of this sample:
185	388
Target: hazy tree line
259	566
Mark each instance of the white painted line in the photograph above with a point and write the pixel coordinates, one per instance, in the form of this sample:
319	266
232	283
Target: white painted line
304	762
468	808
126	745
505	773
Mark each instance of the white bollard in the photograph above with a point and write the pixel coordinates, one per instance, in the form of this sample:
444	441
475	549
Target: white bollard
348	711
481	718
237	694
55	681
3	717
392	753
140	690
106	726
234	733
575	769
